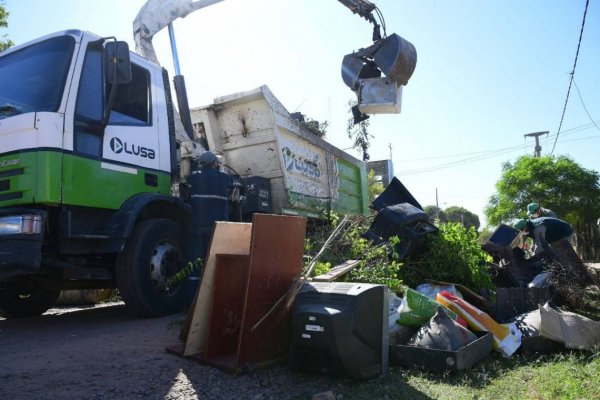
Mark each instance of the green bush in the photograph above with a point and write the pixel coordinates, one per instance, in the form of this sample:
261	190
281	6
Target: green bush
455	255
378	264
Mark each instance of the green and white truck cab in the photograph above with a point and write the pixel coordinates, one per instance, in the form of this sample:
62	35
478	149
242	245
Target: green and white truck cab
91	154
85	176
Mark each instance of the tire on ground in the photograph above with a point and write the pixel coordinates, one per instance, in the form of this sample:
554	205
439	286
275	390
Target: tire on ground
18	302
153	253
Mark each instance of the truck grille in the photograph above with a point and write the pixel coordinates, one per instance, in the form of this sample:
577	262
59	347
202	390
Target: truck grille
12	172
11	196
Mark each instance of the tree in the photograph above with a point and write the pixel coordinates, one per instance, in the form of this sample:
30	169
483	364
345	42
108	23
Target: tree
557	183
453	214
436	214
462	216
375	187
359	132
5	43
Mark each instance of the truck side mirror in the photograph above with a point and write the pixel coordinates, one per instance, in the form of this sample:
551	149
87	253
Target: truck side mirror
117	63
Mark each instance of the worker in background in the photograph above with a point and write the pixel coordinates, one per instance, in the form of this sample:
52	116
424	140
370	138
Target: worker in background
545	231
536	211
209	196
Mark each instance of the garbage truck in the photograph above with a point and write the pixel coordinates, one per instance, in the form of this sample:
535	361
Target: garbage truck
94	155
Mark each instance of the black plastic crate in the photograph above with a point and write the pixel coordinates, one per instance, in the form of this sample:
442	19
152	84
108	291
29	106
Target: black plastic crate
258	195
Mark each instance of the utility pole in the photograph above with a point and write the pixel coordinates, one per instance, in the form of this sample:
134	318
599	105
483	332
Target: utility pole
437	206
537	152
390	146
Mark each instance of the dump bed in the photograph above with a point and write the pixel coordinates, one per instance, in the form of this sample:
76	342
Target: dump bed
257	137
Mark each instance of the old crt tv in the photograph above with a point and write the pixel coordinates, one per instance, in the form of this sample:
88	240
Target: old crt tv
341	328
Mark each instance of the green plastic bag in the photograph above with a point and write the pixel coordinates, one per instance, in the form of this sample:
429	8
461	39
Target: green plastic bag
417	309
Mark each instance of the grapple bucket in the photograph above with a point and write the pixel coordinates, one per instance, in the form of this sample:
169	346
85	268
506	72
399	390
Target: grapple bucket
362	72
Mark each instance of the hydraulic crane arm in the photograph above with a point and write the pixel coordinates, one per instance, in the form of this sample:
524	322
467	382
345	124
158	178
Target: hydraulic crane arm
365	9
361	70
155	15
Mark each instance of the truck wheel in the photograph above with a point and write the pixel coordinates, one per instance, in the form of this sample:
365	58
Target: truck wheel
20	302
152	255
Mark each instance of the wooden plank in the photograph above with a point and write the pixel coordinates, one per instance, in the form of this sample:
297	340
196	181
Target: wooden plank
226	317
275	263
228	238
337	271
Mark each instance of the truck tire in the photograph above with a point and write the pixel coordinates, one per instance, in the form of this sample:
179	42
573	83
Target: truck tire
19	302
153	253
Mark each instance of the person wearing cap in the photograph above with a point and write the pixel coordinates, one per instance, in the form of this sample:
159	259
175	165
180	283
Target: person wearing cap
209	197
545	231
536	211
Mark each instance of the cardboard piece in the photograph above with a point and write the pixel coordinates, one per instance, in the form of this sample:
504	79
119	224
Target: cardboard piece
574	330
230	238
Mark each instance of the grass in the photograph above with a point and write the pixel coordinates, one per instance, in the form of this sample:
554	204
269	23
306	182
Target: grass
568	375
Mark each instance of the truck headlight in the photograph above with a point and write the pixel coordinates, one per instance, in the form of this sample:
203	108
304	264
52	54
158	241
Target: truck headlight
23	224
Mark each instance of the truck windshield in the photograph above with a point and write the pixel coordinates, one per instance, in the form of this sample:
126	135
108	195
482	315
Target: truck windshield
33	78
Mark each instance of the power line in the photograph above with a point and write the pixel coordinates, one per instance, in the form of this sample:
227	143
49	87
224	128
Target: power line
500	152
587	2
460	162
566	132
583	104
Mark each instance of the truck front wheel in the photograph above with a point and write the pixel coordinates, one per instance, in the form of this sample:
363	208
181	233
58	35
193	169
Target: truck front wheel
152	256
18	302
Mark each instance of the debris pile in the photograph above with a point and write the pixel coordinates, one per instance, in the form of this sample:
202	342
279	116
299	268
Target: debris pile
255	306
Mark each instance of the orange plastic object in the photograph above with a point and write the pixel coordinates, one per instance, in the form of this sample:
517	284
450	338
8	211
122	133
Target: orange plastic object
507	338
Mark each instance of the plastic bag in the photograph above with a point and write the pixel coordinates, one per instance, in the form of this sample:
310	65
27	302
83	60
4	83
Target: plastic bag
529	323
417	309
540	280
507	337
394	303
431	290
442	333
400	334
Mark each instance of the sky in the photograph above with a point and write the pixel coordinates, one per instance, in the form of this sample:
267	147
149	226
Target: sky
487	73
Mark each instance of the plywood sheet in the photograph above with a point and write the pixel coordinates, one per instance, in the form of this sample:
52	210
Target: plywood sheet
275	263
228	238
231	280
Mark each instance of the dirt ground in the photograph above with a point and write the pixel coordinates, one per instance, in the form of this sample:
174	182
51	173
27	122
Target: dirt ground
103	352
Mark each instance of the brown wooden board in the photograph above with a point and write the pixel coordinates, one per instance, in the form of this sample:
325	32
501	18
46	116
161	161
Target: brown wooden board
226	317
228	238
275	262
273	266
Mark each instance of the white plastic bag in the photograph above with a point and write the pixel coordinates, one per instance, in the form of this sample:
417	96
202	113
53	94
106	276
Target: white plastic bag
431	290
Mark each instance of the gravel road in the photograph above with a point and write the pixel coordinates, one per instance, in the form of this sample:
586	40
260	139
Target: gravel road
103	352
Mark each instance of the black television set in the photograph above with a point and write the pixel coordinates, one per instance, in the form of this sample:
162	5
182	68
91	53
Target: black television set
341	328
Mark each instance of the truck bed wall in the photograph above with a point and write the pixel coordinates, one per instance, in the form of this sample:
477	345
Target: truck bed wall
257	137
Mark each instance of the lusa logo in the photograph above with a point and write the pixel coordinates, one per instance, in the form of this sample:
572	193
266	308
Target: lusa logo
118	146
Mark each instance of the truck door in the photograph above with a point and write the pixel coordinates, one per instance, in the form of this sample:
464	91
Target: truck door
110	164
